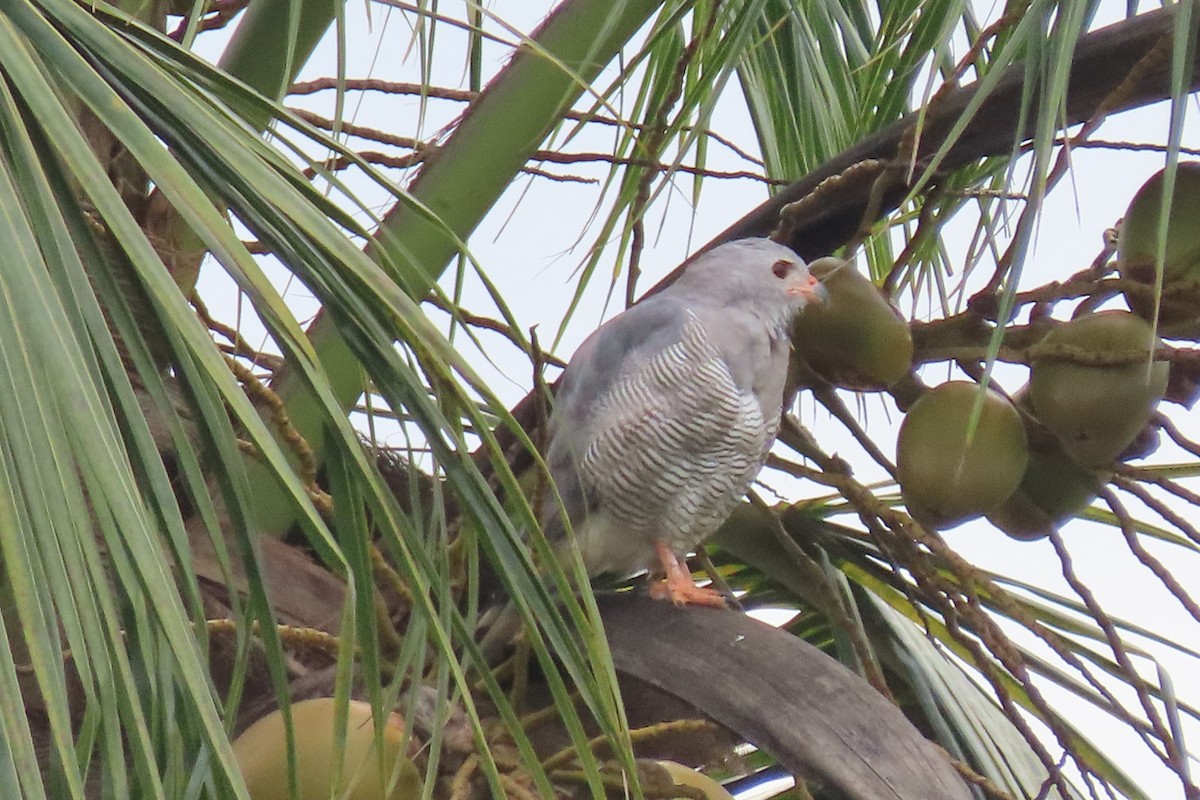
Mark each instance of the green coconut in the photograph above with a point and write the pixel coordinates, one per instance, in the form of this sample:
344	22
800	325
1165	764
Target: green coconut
1053	490
1097	410
947	478
1137	243
857	340
367	767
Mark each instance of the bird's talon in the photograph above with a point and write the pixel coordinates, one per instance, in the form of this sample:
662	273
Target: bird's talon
687	594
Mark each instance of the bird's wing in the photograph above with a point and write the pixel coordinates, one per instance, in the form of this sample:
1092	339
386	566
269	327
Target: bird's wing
661	406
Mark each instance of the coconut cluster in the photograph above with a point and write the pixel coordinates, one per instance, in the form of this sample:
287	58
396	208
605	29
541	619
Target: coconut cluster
1031	463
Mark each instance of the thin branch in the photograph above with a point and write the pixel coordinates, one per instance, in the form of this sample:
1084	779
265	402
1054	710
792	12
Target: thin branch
1133	679
575	158
1128	481
1164	422
1133	147
826	396
1150	562
380	85
467	96
238	346
488	323
216	15
412	159
650	144
361	131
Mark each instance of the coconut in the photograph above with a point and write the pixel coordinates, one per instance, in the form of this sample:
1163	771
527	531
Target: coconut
1053	490
365	774
1137	244
1097	410
949	474
857	339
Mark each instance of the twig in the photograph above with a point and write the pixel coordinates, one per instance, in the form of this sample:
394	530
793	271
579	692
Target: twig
467	96
1134	147
217	15
1150	562
827	397
636	736
1164	422
651	143
1128	481
361	131
488	323
1007	20
239	346
972	777
306	465
291	635
339	163
1098	614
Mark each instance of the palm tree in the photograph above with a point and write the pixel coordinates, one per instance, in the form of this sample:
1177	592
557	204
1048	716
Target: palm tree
195	527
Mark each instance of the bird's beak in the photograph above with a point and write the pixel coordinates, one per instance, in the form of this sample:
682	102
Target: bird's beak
810	288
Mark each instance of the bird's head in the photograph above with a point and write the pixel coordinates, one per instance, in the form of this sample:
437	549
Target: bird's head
757	274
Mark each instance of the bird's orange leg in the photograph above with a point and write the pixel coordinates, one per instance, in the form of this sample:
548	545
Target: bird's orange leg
679	587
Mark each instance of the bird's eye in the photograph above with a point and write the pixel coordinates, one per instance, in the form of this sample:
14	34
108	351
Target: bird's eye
781	269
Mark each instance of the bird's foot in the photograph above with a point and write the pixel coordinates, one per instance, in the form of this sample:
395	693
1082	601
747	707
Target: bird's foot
687	594
679	587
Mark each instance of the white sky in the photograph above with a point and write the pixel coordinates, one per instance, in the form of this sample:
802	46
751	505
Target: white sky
529	246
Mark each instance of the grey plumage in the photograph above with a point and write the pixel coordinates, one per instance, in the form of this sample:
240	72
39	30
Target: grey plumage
665	414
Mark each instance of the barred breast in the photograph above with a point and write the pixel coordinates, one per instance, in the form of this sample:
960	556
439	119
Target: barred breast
677	443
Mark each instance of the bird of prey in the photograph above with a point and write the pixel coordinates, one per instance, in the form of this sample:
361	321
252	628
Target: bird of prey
665	414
